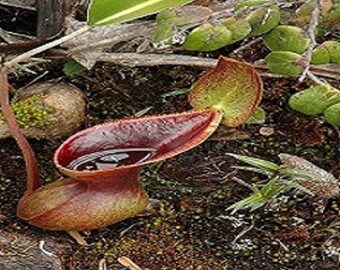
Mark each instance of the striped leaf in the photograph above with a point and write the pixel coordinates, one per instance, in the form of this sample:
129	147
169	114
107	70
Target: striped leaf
104	12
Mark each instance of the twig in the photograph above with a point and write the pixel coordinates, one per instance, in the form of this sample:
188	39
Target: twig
241	182
314	78
330	71
311	33
102	264
43	250
246	45
44	47
147	60
125	261
76	236
244	231
136	59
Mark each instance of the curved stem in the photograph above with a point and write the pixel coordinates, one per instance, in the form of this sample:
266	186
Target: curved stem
26	149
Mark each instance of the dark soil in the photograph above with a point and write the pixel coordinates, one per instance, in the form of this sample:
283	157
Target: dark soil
190	226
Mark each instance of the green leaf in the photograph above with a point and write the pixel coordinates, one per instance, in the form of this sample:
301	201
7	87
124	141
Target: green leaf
250	3
258	117
104	12
207	37
298	173
175	93
333	48
233	88
260	196
239	28
286	38
164	33
263	19
72	68
256	162
320	56
143	111
332	114
253	169
315	100
285	63
294	185
169	20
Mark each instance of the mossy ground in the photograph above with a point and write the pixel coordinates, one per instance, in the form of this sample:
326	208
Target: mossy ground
31	113
190	228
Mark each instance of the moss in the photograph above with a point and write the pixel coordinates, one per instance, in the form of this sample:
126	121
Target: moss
31	113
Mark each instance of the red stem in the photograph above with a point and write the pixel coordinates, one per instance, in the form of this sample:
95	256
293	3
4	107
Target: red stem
26	149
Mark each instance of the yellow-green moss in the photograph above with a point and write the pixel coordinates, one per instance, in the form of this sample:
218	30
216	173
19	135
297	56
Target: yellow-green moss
31	113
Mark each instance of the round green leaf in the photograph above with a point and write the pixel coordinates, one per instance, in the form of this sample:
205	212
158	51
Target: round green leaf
285	63
233	88
332	114
315	100
164	33
320	56
239	28
169	20
286	38
333	48
258	117
263	19
207	37
184	15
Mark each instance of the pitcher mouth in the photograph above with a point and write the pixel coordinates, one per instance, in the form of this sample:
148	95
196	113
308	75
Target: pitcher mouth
164	136
111	158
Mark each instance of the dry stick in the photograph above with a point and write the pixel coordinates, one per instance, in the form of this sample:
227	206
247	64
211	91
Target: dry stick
311	33
246	45
42	48
147	60
331	71
27	151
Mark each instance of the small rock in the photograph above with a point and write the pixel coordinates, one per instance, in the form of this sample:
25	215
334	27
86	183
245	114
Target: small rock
22	252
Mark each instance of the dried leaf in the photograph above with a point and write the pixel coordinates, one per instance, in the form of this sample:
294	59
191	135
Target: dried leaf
184	15
303	164
86	48
233	87
324	184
